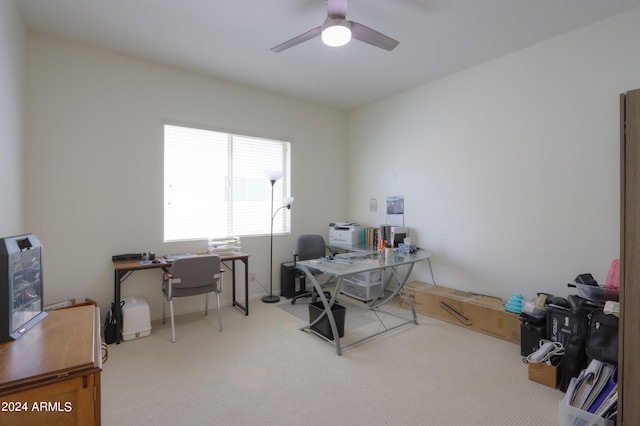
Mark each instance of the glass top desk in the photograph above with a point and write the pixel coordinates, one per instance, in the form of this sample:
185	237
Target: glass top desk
342	267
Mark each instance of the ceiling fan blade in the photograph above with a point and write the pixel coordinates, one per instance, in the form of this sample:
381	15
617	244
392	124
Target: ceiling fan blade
337	8
372	37
297	40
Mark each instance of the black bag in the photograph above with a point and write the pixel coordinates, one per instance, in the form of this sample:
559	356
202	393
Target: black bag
111	325
575	360
602	342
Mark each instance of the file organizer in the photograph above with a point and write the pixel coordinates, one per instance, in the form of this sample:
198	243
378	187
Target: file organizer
574	416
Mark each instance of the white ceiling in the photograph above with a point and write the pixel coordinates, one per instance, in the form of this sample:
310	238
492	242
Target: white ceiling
231	39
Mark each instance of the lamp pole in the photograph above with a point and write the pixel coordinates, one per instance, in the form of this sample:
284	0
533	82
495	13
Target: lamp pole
273	177
271	298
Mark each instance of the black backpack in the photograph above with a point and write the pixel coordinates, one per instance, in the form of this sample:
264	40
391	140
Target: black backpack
111	325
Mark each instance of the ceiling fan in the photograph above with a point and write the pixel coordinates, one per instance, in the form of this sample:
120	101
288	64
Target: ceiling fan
337	31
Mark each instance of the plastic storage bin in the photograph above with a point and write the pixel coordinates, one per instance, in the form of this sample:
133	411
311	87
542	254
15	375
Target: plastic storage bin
366	278
573	416
529	307
136	319
596	293
360	290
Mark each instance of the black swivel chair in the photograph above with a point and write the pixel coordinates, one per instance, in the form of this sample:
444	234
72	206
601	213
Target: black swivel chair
310	246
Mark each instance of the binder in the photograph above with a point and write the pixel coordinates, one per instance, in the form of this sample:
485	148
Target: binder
606	391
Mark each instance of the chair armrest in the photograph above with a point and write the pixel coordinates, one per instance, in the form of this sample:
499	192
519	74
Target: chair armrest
220	281
167	273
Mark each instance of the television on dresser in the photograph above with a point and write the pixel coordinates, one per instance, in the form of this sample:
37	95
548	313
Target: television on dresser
21	298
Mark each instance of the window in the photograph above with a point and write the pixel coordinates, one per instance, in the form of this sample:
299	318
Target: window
215	186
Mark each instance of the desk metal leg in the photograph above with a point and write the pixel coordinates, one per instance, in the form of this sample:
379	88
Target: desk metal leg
373	306
120	276
327	309
246	285
116	297
401	280
233	281
244	307
407	296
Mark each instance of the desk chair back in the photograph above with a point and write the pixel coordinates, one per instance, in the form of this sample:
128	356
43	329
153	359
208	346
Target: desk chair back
192	276
310	246
195	275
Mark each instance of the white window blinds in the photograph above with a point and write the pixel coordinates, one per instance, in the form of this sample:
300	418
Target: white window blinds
214	184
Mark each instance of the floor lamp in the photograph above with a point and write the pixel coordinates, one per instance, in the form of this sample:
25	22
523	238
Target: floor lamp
273	176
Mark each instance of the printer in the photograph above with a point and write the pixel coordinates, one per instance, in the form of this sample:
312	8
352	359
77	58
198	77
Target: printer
348	233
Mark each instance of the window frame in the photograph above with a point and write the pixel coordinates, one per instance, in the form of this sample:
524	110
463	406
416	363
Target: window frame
247	159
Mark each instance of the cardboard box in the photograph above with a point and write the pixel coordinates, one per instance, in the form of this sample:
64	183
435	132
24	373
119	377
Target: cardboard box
480	313
544	373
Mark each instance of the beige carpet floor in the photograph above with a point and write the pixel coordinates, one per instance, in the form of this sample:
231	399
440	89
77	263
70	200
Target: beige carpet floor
262	370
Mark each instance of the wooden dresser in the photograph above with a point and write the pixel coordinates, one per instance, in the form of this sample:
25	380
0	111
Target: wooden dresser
51	375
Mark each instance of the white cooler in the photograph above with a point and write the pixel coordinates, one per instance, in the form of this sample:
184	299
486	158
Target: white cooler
136	319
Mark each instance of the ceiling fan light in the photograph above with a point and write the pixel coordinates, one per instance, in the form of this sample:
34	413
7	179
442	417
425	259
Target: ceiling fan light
336	33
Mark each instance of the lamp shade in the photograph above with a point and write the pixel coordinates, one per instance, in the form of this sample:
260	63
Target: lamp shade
273	175
288	201
336	32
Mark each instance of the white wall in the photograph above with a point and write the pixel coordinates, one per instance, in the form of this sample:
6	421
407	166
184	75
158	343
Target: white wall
95	164
12	46
510	170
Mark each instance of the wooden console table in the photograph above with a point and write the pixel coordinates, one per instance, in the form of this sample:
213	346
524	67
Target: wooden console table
51	375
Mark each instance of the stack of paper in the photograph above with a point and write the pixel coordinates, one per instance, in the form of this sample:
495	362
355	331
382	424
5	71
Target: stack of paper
225	246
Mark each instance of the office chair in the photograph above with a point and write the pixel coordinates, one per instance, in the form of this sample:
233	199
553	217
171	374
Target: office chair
190	276
310	246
